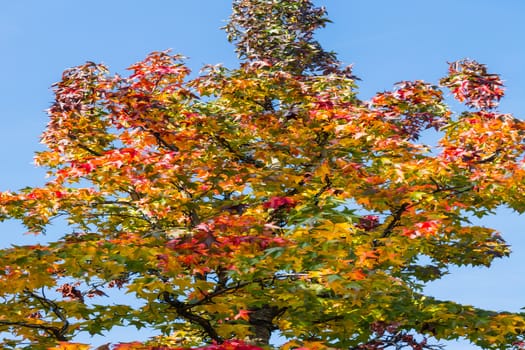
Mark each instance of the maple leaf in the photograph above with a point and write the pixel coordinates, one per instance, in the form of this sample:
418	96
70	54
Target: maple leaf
279	202
243	315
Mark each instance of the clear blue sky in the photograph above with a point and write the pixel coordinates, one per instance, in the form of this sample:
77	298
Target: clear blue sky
387	41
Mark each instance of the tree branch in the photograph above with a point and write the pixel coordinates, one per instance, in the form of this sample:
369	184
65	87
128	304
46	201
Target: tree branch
53	331
54	308
244	158
182	310
162	142
58	333
396	217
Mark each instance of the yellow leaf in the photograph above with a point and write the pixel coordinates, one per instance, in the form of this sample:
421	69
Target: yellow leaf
70	346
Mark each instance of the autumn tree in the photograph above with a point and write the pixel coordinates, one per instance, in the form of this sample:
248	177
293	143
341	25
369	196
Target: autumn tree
261	199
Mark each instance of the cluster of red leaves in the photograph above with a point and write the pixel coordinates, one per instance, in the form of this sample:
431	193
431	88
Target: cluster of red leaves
388	335
35	315
117	283
469	82
422	229
279	203
412	107
218	239
519	345
70	291
368	222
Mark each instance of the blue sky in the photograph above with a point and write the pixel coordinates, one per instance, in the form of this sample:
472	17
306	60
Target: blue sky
387	41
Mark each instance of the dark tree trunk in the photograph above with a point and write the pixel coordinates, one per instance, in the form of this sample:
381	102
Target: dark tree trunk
261	320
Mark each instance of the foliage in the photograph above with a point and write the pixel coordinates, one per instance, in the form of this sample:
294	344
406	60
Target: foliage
281	33
262	198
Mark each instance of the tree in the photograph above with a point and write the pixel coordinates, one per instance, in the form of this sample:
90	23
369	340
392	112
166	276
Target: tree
263	198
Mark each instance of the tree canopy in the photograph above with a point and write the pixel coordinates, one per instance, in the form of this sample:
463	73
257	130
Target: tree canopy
260	199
